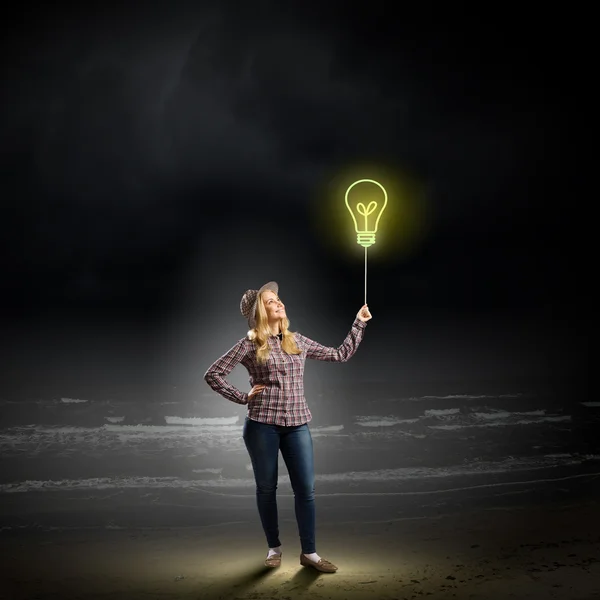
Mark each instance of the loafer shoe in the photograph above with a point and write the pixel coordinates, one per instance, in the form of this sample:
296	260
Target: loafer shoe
274	561
323	565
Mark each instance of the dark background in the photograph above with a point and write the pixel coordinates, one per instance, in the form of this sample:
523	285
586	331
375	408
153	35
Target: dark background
160	160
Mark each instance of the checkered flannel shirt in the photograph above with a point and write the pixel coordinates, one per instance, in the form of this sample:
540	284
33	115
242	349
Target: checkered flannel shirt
282	401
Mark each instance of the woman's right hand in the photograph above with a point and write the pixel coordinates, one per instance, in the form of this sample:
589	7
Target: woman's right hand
255	391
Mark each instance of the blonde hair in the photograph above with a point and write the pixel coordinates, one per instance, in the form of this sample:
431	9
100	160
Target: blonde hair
261	333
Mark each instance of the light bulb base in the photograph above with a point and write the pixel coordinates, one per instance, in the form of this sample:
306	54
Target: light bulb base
365	239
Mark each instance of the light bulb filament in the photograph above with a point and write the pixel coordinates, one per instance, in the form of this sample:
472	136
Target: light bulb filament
366	212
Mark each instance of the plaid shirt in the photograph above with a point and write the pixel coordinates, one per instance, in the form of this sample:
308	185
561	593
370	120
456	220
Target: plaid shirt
282	401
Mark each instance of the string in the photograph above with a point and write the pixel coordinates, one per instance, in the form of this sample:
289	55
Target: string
365	274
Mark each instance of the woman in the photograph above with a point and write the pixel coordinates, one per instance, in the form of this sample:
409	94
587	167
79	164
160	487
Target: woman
278	415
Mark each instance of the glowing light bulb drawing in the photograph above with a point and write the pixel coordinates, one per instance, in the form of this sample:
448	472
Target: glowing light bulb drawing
367	221
368	226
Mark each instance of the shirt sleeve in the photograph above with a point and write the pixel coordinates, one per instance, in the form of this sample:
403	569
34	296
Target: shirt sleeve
341	353
216	373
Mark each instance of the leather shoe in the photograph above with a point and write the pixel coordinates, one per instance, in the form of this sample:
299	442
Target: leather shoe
274	561
323	565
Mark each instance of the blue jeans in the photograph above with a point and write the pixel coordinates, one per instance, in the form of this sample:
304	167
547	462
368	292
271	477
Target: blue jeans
264	441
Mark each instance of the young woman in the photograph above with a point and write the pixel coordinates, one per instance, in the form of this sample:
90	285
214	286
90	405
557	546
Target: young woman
278	414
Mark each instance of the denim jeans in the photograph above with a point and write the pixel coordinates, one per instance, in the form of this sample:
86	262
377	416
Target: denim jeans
264	441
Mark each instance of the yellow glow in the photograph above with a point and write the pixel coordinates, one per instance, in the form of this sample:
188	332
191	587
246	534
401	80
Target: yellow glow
401	232
367	228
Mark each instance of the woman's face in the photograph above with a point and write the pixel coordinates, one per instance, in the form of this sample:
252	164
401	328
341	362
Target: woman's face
274	307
